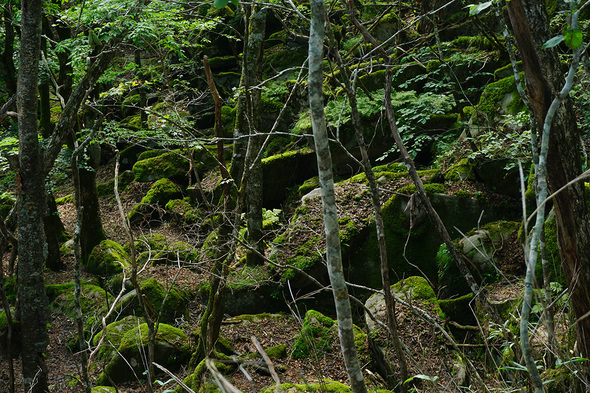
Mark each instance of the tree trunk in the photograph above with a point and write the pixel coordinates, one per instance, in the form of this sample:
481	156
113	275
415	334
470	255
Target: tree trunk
544	80
91	230
333	251
33	304
253	178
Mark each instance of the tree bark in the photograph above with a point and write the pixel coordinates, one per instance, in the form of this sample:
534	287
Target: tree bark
253	178
32	300
91	229
331	227
544	79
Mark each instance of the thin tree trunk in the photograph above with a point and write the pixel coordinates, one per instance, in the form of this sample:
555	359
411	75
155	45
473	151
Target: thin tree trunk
333	248
33	309
254	182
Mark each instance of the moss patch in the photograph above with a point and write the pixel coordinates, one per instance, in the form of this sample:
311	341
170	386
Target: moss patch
107	258
164	165
171	349
159	194
319	335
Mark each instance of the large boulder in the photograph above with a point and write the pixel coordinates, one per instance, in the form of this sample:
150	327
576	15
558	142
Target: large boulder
171	350
151	206
154	293
115	332
107	259
319	335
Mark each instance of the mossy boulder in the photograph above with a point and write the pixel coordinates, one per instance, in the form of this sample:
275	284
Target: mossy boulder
283	171
319	335
157	197
93	299
171	350
251	290
419	245
174	308
153	242
463	170
501	175
177	252
326	386
103	389
165	165
500	98
115	332
183	212
458	309
411	288
107	259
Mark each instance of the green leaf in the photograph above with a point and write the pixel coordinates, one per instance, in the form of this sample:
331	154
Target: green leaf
476	9
221	3
573	38
553	42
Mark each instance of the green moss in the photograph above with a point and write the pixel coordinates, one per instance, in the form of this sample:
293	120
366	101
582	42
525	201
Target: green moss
309	185
107	258
173	308
318	335
222	63
326	386
494	94
176	251
283	59
183	212
458	309
171	349
166	165
103	389
151	242
115	332
463	170
65	199
417	287
92	299
150	154
479	42
159	194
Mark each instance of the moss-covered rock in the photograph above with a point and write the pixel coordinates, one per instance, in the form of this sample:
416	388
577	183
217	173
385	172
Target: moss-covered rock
177	252
463	170
165	165
283	171
93	299
115	332
500	98
183	212
103	389
154	292
171	350
326	386
458	309
319	335
107	258
157	197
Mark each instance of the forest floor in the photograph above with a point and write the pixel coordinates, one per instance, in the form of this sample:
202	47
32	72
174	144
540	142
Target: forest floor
428	352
